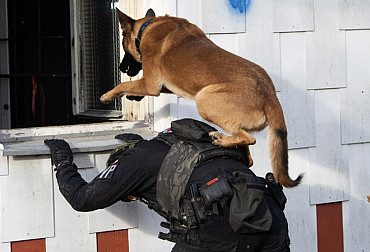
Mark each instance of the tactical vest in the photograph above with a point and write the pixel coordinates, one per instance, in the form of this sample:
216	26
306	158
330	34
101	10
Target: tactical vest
191	146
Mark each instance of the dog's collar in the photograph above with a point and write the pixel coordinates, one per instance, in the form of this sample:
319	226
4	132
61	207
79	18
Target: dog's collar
138	38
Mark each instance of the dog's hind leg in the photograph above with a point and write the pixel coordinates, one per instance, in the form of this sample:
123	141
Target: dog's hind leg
242	138
230	108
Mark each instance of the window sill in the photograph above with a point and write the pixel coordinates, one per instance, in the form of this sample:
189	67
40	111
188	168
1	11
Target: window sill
82	138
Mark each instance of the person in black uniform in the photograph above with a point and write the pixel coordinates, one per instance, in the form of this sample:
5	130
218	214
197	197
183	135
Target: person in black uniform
132	172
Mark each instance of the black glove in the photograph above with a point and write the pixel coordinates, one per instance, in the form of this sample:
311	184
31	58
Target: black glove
60	151
127	137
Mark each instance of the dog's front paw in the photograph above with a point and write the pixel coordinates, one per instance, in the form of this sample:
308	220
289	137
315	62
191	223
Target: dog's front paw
105	98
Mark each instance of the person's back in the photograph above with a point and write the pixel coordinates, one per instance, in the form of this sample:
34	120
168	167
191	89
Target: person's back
217	234
254	223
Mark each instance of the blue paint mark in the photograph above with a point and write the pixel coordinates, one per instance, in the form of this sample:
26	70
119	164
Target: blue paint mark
240	5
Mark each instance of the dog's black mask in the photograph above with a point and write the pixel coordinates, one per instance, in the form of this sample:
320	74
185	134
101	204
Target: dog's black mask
131	67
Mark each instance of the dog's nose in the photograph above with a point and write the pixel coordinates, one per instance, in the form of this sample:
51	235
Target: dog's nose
129	65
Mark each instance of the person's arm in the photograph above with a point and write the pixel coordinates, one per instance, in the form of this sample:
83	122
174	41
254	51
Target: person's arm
101	192
107	188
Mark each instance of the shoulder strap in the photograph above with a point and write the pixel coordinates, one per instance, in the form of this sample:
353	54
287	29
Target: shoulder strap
186	129
192	130
166	137
174	175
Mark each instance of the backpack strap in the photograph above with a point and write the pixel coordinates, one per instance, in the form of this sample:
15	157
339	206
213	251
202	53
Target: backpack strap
174	175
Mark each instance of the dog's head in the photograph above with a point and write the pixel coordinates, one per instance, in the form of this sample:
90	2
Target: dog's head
130	64
130	30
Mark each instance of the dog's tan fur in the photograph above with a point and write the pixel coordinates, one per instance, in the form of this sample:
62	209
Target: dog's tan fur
229	91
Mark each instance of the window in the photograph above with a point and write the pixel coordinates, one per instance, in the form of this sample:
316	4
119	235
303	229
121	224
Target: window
95	56
56	59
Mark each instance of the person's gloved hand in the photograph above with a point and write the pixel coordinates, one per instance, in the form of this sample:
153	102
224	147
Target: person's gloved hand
60	151
127	137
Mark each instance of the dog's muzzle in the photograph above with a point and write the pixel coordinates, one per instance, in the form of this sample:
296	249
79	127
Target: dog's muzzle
129	65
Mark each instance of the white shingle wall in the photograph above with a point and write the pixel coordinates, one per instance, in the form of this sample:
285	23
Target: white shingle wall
27	199
317	53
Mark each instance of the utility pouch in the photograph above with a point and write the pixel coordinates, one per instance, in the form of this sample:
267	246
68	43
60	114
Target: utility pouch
198	205
249	212
215	190
189	214
276	190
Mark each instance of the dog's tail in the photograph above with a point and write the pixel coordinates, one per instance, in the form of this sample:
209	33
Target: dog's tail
278	143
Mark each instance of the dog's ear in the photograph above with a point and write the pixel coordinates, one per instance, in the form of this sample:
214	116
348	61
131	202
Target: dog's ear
125	21
150	13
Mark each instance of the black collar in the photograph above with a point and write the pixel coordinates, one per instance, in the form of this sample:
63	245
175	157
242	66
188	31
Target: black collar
138	38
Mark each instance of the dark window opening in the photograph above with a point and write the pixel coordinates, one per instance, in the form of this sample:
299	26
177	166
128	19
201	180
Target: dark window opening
40	63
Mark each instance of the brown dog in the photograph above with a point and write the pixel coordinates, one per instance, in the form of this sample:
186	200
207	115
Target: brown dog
229	91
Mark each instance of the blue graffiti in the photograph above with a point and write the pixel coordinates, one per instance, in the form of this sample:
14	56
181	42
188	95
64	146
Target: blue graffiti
240	5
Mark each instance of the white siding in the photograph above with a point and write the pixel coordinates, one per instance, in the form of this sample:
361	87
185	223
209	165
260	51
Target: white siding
356	212
355	115
300	16
84	160
355	106
4	246
358	58
3	165
161	110
300	214
218	16
191	10
187	109
145	237
259	44
27	199
160	7
354	14
296	100
228	41
329	176
326	58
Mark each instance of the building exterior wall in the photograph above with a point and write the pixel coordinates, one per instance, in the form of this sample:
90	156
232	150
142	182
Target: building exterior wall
318	55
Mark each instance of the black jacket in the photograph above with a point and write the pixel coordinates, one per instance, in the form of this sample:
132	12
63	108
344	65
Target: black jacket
135	174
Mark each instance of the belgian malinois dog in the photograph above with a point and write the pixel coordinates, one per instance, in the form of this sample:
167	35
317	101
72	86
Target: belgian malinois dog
229	91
